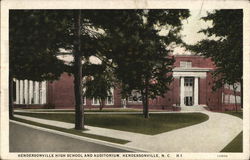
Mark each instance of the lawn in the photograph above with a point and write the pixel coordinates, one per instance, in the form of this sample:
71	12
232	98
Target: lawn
236	145
157	123
234	113
88	110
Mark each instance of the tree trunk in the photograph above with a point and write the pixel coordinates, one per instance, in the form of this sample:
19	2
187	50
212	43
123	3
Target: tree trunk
101	104
11	115
143	102
146	114
79	112
241	93
235	99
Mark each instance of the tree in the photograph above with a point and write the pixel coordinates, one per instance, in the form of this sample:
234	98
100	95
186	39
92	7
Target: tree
99	81
140	52
78	56
34	39
226	49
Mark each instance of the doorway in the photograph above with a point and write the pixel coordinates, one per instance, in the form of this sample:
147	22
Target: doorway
188	91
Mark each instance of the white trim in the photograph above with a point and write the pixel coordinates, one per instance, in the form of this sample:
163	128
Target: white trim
190	74
26	91
31	95
43	100
191	69
84	100
21	92
196	91
17	91
36	96
182	92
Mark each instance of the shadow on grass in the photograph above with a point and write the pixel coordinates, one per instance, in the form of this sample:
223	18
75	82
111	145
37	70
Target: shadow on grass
157	123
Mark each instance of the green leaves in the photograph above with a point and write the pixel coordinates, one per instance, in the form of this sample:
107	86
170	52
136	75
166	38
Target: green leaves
34	43
227	50
137	49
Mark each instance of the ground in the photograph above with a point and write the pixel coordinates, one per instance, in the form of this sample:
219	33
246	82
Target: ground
178	130
44	141
131	122
236	145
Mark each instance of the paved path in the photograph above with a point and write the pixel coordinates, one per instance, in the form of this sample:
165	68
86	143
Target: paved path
136	112
24	138
210	136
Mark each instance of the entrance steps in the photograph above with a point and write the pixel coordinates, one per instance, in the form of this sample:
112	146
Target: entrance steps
193	108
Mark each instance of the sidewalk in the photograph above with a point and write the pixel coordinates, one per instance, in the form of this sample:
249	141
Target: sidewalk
210	136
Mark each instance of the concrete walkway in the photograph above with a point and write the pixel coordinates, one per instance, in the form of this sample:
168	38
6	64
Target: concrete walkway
210	136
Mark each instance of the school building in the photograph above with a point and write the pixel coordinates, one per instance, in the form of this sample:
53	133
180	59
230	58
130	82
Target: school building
191	87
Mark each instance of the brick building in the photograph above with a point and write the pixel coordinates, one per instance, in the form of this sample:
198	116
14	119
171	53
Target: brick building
191	87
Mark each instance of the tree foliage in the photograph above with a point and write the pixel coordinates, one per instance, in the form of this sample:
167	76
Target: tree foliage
98	82
35	37
139	52
226	49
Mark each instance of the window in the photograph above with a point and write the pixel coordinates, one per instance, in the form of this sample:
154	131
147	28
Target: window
238	98
185	64
84	98
110	98
232	99
95	101
135	97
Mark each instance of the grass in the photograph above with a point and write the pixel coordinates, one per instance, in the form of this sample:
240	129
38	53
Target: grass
75	132
157	123
234	113
87	110
236	145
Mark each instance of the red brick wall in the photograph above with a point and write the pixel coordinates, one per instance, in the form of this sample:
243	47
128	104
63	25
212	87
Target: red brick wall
202	91
197	61
214	98
61	92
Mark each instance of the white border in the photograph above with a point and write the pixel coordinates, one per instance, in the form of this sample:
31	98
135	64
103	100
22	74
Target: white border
121	4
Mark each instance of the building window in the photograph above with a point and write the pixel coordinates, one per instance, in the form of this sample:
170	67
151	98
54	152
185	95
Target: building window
238	98
110	98
185	64
135	97
84	98
226	99
232	99
95	101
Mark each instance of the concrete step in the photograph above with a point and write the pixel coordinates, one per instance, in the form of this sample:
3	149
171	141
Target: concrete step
192	108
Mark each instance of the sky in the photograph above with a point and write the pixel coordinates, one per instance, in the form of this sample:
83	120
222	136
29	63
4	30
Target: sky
192	25
190	28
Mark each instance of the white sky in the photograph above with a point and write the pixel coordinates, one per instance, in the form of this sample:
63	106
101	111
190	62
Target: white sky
192	25
190	28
